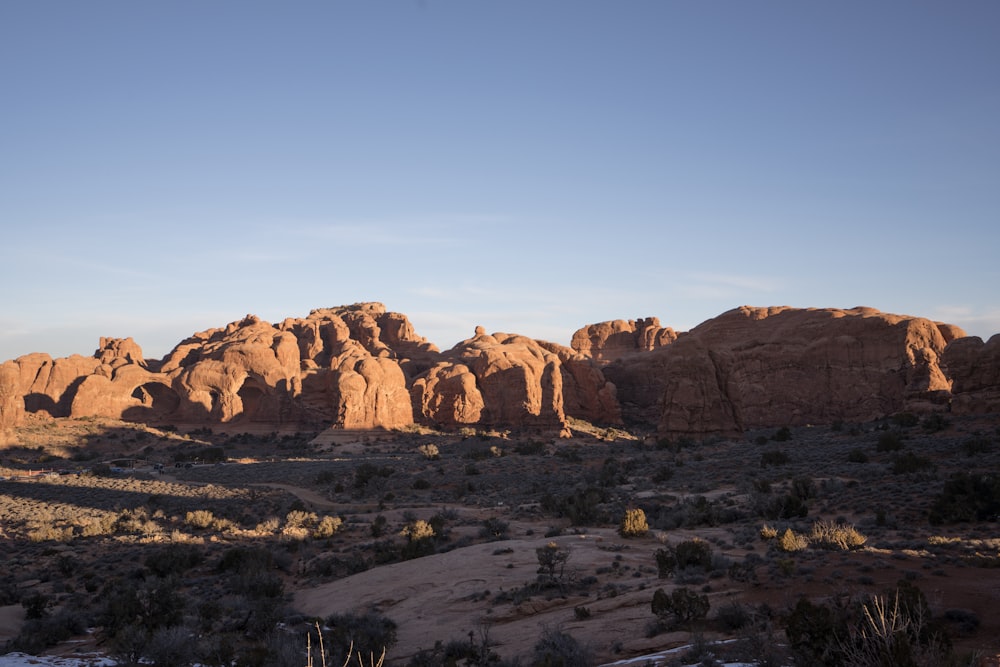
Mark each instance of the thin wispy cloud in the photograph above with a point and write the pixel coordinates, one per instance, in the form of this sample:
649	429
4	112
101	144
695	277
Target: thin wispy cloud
976	322
420	232
701	285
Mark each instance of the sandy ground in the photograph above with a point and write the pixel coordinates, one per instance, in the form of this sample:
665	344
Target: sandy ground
446	596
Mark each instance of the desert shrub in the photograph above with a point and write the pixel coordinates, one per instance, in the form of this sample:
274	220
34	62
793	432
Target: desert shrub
774	457
581	507
552	561
419	536
803	488
633	524
812	630
857	455
787	506
367	472
904	419
326	477
791	541
421	484
831	535
693	512
368	633
680	607
170	647
662	475
891	629
934	423
888	442
151	604
429	451
36	605
768	532
245	559
977	445
494	529
966	622
174	559
908	462
417	530
327	527
38	634
199	519
556	648
967	497
530	448
688	554
378	526
783	434
732	617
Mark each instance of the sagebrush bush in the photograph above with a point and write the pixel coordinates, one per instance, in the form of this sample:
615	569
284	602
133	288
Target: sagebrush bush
633	524
791	541
832	535
680	607
689	554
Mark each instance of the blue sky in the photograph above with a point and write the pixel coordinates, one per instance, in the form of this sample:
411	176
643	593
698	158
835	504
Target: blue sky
529	166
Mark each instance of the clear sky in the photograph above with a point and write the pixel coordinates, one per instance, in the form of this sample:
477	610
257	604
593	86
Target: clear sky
532	166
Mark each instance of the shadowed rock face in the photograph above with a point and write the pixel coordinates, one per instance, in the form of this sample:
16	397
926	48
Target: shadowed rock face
761	367
362	367
975	369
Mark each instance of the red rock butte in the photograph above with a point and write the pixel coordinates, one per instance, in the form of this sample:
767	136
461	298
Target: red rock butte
362	367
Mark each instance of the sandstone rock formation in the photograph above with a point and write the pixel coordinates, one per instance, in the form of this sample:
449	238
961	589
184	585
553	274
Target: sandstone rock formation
761	367
361	367
499	380
607	341
974	368
11	399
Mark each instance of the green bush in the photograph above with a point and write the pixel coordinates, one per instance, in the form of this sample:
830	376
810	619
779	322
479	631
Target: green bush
556	648
681	607
368	633
774	457
494	529
783	434
857	456
908	462
695	553
889	442
174	559
967	497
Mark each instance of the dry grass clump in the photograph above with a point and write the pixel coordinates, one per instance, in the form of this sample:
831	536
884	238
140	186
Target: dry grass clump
791	541
832	535
768	532
633	524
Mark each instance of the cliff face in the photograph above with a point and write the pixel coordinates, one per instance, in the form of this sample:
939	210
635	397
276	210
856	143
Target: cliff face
761	367
362	367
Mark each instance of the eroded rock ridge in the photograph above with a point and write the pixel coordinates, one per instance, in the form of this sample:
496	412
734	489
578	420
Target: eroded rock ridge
363	367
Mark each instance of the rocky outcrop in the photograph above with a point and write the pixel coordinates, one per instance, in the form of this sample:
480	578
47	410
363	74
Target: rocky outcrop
501	380
362	367
761	367
974	369
11	399
607	341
